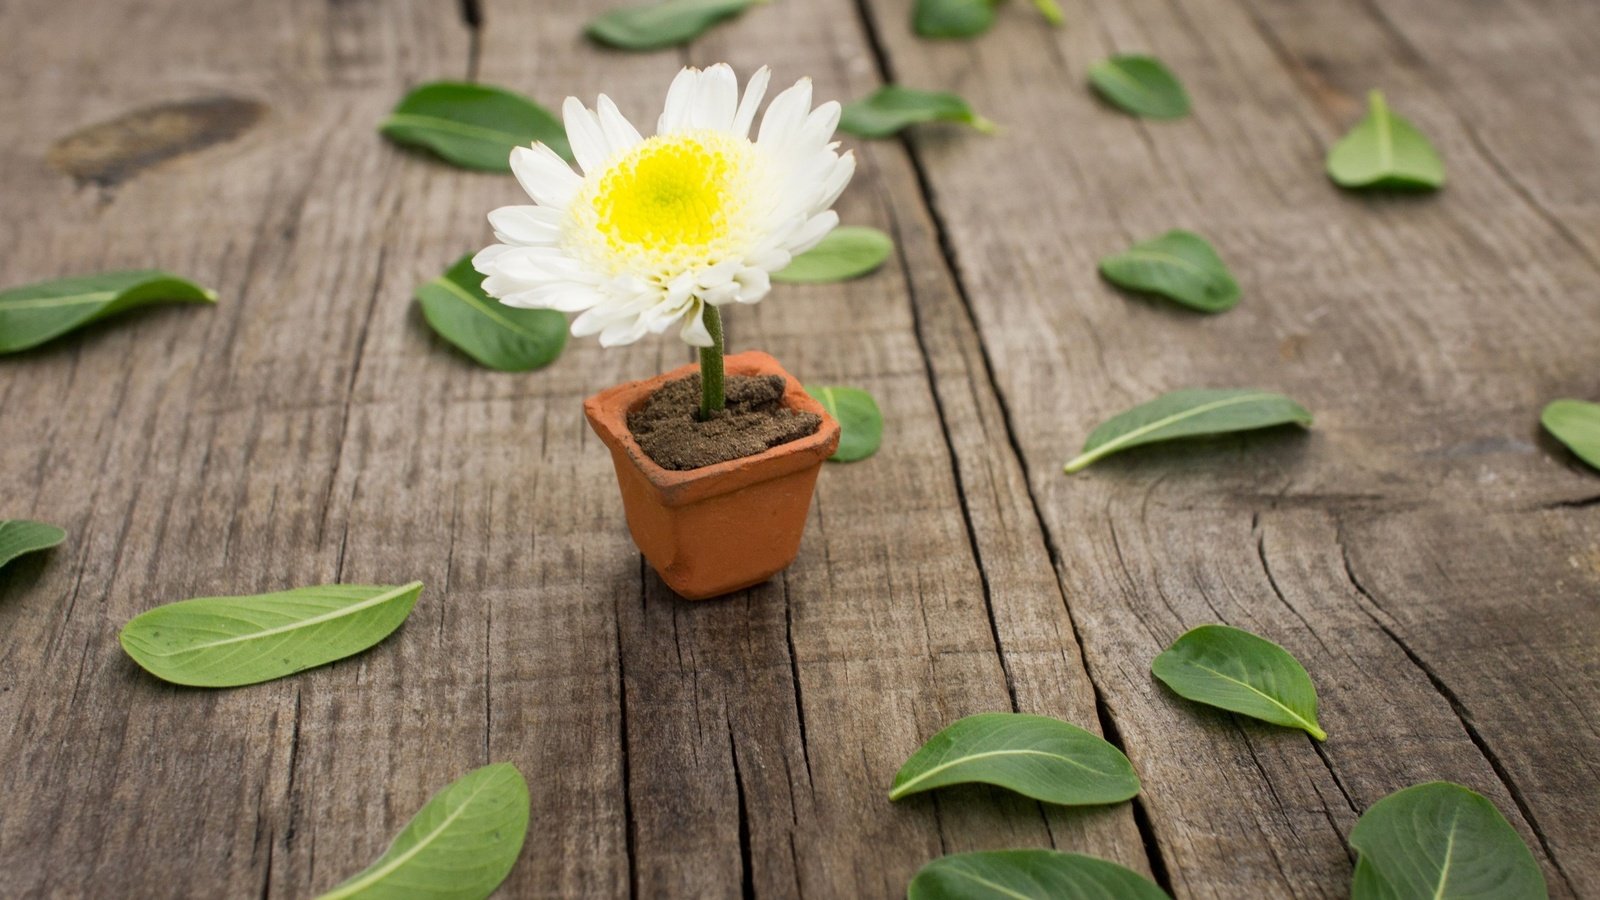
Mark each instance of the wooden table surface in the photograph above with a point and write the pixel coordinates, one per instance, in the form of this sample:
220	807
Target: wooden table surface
1431	557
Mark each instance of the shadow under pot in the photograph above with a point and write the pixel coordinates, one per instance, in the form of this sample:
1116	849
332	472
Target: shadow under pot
721	527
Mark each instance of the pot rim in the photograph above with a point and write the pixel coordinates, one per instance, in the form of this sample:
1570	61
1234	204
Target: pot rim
607	413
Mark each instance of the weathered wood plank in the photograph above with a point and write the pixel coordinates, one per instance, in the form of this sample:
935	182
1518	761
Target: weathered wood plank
310	429
1424	332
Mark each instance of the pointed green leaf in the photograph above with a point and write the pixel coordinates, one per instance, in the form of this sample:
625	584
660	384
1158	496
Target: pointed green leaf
666	24
1029	875
1141	85
35	313
499	336
892	108
1233	669
19	536
460	846
1575	423
1385	151
860	422
1189	413
1441	840
847	252
473	125
953	18
1036	756
1180	265
231	641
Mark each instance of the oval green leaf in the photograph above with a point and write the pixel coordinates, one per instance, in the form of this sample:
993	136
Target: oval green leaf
19	536
1141	85
847	252
35	313
1029	875
460	846
498	336
1179	265
1385	151
667	24
953	18
1036	756
1441	840
1575	423
860	422
1235	670
232	641
473	125
891	108
1189	413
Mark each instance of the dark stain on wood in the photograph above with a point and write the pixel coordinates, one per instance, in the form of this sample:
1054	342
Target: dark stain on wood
111	152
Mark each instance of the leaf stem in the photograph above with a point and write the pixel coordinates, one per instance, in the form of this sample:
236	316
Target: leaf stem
711	396
1051	12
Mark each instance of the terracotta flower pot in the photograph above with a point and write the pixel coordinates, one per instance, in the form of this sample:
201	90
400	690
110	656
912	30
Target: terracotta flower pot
723	527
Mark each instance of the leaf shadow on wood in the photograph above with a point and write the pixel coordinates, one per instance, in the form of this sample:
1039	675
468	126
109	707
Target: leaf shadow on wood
86	336
21	575
1277	446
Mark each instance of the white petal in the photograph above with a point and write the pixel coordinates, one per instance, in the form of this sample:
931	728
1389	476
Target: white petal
754	91
837	179
694	331
823	120
529	225
753	285
815	229
675	113
625	332
786	116
583	133
620	133
483	261
544	175
716	99
718	275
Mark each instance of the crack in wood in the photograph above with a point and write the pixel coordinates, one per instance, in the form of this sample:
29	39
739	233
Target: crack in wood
1459	709
747	879
630	826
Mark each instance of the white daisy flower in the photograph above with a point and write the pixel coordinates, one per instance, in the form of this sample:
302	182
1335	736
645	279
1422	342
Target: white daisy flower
657	229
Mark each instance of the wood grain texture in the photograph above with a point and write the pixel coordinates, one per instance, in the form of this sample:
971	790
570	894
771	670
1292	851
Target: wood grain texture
1431	559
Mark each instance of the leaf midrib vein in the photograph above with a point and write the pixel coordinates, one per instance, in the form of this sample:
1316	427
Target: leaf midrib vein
331	615
442	124
378	874
1257	691
1124	439
64	300
960	760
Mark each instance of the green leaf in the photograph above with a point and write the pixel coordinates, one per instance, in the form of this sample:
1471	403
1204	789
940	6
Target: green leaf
1575	423
1029	875
1141	85
1036	756
1189	413
860	422
1233	669
231	641
1385	151
35	313
1180	265
1441	840
847	252
665	24
460	846
953	18
473	125
19	536
499	336
891	108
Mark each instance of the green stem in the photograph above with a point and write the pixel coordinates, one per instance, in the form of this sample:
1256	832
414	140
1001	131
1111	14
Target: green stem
711	400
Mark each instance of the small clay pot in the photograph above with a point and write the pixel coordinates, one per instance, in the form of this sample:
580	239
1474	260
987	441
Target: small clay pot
723	527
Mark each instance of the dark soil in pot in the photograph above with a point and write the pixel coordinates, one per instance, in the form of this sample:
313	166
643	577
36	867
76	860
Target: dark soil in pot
669	430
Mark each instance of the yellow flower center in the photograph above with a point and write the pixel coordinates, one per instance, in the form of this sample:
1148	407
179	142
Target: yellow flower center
673	202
